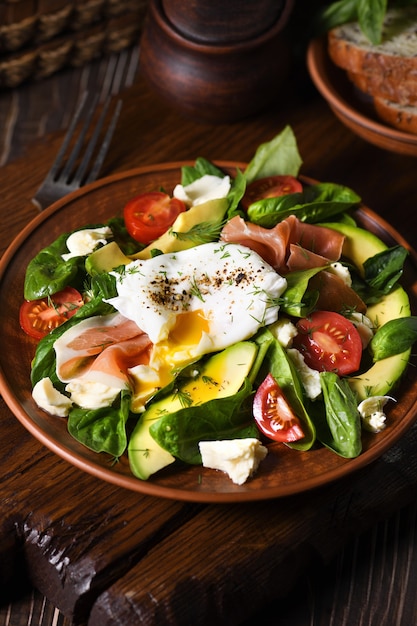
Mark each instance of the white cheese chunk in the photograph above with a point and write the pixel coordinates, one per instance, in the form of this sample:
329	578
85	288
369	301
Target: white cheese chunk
342	272
364	326
91	394
85	241
239	458
208	187
50	399
372	414
284	331
310	378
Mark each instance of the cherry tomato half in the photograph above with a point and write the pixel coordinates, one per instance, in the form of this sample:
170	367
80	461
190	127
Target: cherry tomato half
270	187
149	215
38	317
273	415
329	342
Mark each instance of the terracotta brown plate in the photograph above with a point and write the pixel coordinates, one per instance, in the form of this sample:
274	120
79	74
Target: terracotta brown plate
354	109
283	472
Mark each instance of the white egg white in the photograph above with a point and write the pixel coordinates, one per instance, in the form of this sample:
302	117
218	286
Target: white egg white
199	300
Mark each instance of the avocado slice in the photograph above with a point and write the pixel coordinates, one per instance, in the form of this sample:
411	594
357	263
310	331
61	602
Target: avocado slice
381	377
210	213
105	259
223	375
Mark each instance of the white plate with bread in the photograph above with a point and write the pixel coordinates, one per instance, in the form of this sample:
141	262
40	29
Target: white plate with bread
372	89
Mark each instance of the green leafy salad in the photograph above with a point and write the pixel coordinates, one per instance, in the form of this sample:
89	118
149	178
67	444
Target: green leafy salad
210	323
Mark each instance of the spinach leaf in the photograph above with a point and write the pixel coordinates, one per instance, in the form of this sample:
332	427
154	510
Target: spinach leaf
236	193
283	370
222	418
278	156
394	337
297	300
103	429
383	270
47	273
316	203
339	426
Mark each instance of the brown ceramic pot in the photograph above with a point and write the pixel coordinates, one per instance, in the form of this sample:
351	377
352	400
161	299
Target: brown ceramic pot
222	80
227	22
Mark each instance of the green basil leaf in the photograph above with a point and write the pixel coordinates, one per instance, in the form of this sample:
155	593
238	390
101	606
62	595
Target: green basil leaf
394	337
341	429
371	14
279	156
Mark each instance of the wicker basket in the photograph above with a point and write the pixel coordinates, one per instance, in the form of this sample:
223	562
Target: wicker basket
39	37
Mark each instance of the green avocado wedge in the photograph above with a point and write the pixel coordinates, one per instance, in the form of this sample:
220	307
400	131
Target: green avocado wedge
222	375
382	376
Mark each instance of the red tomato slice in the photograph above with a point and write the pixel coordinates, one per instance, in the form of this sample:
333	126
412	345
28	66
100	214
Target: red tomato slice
38	317
329	342
149	215
273	415
270	187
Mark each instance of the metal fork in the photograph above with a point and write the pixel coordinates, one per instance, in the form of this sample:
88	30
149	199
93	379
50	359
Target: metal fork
74	166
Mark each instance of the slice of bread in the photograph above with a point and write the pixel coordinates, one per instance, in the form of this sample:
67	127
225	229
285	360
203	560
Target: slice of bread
386	87
403	117
396	55
386	72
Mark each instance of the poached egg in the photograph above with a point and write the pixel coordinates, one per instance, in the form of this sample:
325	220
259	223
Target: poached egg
197	301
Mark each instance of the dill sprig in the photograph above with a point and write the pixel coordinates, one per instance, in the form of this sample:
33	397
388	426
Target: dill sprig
205	232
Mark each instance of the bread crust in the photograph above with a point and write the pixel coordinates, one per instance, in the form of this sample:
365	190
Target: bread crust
387	72
403	117
389	87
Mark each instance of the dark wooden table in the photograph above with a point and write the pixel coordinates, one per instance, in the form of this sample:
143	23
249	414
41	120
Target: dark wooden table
77	550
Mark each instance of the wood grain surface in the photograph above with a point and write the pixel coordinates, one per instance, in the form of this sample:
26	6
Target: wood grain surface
75	550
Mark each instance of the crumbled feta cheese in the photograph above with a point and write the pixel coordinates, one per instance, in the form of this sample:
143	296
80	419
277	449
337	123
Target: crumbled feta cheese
239	458
342	272
85	241
373	417
208	187
50	399
364	327
310	378
284	331
91	394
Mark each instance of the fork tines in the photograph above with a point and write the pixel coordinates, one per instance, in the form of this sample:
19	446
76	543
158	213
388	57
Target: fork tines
81	155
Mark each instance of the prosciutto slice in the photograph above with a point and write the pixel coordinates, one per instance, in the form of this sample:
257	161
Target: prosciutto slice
277	245
101	349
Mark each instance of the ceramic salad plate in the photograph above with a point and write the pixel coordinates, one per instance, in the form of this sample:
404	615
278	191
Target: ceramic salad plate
284	471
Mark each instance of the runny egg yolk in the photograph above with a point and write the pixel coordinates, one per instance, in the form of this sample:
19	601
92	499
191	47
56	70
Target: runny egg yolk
188	329
191	329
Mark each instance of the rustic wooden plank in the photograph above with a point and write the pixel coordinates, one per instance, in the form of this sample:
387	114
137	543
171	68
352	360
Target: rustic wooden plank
228	548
